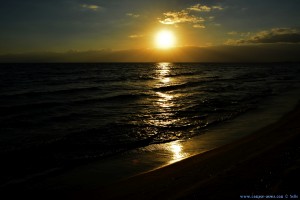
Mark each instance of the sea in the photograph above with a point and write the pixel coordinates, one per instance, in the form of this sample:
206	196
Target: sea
56	116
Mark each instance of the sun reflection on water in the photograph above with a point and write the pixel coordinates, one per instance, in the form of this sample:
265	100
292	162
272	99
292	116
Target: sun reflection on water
166	103
165	100
165	80
163	71
164	96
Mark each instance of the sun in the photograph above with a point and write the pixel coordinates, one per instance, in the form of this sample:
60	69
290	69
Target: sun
165	39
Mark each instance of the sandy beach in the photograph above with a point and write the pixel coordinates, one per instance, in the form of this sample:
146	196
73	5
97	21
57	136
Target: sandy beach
264	163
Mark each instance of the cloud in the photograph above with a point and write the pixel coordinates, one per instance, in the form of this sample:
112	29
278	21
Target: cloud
135	36
198	26
232	33
180	17
185	16
217	8
211	18
200	8
90	7
133	15
275	35
204	8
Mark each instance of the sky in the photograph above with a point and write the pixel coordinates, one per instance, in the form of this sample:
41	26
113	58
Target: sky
118	25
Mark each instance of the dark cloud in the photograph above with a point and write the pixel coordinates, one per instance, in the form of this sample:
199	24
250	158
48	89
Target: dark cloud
244	53
275	35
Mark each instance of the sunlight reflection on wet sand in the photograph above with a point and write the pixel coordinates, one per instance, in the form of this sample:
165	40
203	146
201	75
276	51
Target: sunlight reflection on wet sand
177	150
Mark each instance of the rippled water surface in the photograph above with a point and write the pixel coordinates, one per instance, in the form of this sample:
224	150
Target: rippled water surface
60	114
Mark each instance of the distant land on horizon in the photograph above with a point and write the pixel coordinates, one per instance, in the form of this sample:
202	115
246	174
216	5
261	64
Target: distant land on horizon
224	53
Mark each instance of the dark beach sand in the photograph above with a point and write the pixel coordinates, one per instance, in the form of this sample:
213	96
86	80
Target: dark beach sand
266	162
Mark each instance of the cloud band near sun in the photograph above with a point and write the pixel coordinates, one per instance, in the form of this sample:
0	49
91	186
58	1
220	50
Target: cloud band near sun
134	36
180	17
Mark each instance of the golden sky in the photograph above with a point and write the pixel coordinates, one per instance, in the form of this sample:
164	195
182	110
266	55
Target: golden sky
61	26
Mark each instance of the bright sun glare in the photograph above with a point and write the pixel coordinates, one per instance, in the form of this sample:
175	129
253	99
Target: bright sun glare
165	39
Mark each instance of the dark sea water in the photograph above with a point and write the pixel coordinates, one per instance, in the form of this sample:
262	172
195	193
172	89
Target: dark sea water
55	116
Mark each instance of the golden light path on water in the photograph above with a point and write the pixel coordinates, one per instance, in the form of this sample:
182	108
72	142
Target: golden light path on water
166	102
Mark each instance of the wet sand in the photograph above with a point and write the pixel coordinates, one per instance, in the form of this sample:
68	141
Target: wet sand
264	163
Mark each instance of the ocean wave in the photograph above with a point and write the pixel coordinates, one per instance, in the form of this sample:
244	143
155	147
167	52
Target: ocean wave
99	110
49	92
179	86
62	102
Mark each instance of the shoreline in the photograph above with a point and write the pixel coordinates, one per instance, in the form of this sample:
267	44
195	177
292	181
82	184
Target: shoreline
271	166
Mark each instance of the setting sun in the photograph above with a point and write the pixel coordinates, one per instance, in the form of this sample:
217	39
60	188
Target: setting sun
165	39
